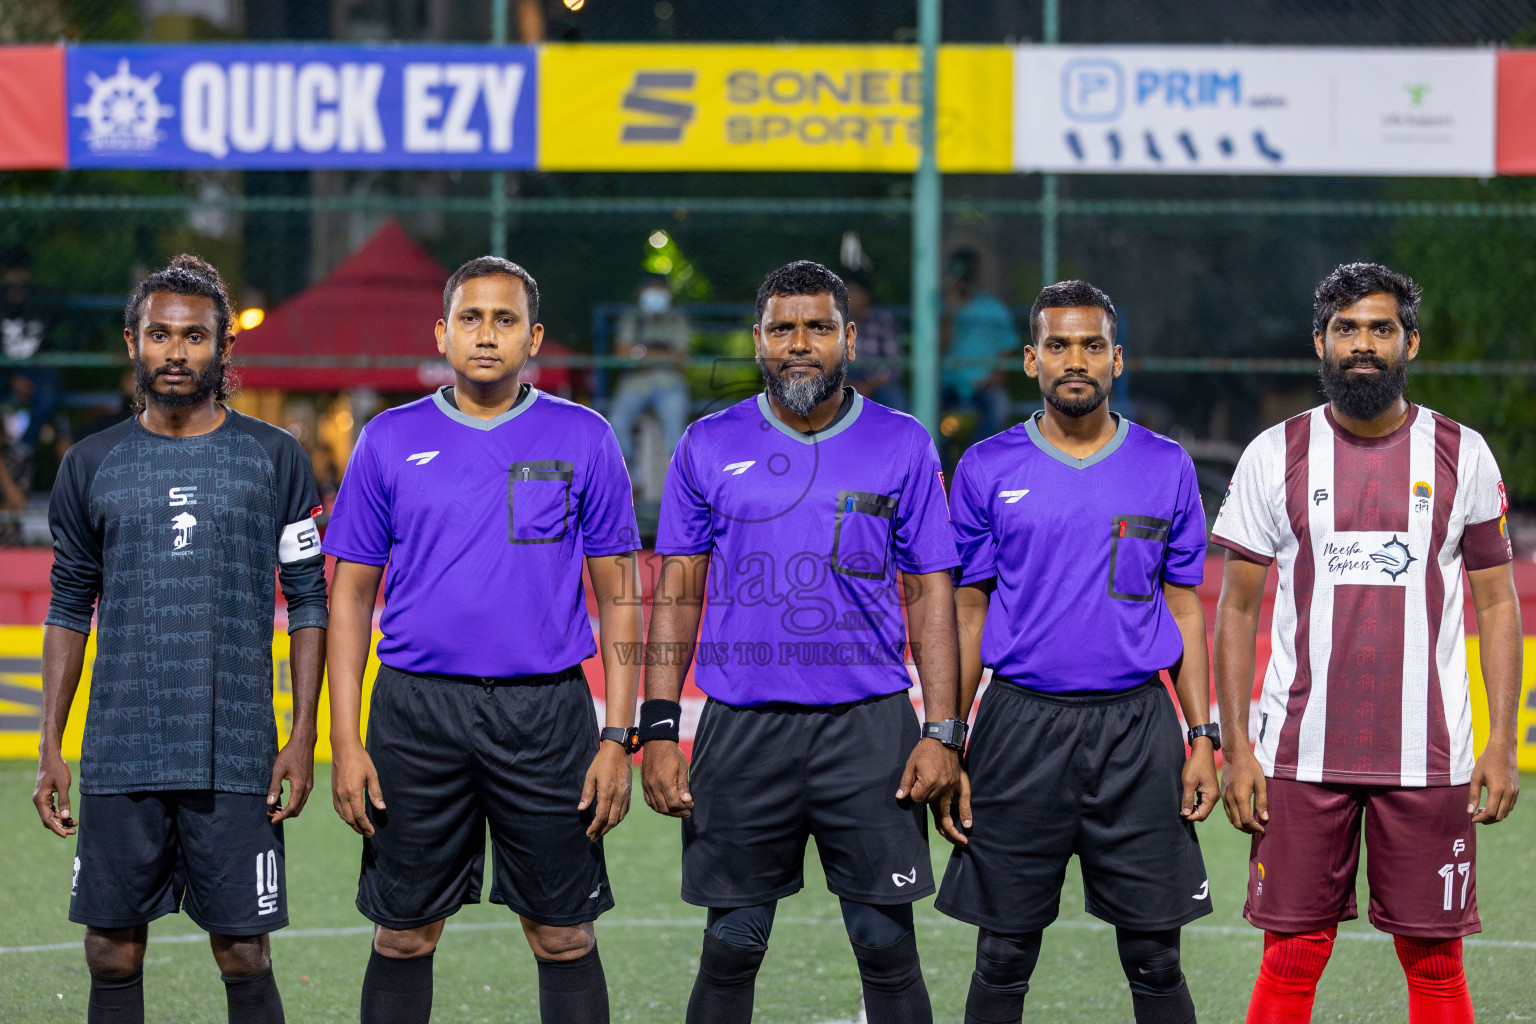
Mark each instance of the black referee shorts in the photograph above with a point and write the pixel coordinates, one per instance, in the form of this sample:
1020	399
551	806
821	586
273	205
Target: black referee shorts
452	756
1093	774
765	779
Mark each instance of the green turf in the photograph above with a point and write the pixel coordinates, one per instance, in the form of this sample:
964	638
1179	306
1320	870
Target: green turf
650	942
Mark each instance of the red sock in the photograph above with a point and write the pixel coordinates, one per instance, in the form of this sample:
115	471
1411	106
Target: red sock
1288	977
1437	981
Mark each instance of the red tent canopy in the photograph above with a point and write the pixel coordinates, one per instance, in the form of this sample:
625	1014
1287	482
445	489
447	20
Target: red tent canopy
367	325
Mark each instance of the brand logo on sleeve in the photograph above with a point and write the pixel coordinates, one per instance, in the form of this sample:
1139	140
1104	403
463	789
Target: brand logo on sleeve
1503	499
422	458
1012	496
738	468
182	524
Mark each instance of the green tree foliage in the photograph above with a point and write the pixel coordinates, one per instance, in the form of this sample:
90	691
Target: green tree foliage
1479	280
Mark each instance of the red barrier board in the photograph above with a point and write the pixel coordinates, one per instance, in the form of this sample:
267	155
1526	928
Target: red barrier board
1516	118
32	114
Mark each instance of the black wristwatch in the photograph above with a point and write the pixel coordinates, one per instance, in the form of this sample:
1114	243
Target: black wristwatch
629	738
1210	731
950	732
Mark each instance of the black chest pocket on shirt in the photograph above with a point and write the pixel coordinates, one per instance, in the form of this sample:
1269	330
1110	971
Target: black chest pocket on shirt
861	539
539	501
1136	548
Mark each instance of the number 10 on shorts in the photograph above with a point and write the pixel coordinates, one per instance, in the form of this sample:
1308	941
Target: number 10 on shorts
266	884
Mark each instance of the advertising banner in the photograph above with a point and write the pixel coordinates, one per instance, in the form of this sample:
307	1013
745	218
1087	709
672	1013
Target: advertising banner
768	108
31	107
21	697
1254	110
1517	112
305	107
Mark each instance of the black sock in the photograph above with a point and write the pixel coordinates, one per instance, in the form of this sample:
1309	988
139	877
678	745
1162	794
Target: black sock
894	992
573	991
1004	964
116	999
722	993
397	991
1159	994
1174	1008
254	999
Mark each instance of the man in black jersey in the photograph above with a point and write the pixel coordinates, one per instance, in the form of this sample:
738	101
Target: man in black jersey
174	521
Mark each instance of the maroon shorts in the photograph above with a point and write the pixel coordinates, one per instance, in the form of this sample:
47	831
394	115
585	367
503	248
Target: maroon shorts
1421	868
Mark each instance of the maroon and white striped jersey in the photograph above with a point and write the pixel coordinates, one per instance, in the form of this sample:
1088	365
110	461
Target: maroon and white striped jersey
1367	679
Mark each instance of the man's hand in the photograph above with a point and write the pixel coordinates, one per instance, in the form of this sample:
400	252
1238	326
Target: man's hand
1245	793
1495	770
932	777
955	811
354	784
1200	785
664	777
296	763
53	780
608	782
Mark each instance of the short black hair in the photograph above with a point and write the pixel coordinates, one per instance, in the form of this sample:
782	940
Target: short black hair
1065	294
1351	282
490	266
184	275
803	277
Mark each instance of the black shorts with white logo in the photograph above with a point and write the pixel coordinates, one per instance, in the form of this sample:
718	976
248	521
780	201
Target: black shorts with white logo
453	755
765	779
1093	774
139	854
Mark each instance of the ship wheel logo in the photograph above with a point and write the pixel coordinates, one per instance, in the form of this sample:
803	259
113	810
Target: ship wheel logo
123	112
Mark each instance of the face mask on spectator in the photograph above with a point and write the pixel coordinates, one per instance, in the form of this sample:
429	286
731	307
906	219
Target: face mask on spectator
655	301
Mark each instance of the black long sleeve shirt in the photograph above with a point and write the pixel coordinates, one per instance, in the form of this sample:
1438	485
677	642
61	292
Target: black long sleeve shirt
178	538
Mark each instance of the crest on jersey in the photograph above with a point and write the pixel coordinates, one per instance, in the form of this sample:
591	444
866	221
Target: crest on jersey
1423	490
1394	558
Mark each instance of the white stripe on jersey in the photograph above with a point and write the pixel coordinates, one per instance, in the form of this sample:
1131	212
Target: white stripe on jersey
1314	717
1455	694
1415	738
1282	657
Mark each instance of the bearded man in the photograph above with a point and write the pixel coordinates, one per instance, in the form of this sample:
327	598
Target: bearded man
797	509
1369	507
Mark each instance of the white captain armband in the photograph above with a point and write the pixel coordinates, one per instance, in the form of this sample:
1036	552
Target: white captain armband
300	540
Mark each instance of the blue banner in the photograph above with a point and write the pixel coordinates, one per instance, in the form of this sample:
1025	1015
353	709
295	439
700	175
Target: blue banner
303	107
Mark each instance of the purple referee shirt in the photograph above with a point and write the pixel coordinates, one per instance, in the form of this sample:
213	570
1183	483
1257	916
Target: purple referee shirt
484	525
1080	549
806	534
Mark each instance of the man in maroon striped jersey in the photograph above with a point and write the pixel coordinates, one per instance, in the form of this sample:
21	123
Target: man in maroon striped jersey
1369	507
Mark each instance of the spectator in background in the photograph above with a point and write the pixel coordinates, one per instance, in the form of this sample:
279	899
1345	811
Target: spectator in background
978	331
879	343
127	405
652	329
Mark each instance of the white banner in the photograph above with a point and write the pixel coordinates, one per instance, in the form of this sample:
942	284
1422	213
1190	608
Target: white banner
1253	110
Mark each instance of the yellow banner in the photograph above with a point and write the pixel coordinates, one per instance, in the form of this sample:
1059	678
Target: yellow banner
21	695
769	108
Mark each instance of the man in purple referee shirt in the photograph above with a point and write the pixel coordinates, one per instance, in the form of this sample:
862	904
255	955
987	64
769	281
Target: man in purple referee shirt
485	499
814	517
1081	540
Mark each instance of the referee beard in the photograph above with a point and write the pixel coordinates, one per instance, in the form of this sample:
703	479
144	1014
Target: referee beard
803	332
488	333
